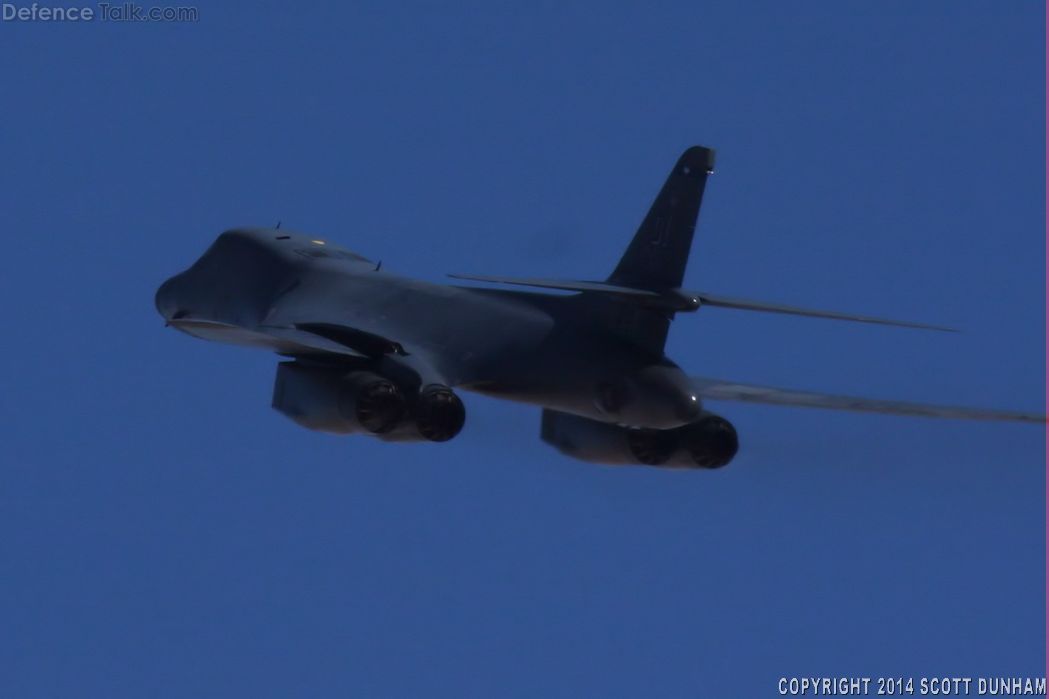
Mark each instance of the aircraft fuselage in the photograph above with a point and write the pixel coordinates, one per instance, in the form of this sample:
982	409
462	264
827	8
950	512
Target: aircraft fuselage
541	349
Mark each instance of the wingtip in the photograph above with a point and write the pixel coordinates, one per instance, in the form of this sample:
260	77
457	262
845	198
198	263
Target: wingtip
909	325
941	328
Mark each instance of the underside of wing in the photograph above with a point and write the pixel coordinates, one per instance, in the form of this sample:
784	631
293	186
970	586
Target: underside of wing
714	389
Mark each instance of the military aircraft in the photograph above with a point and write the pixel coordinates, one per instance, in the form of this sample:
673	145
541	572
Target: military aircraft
373	353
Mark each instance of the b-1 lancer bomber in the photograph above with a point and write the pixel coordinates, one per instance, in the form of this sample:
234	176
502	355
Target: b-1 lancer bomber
373	353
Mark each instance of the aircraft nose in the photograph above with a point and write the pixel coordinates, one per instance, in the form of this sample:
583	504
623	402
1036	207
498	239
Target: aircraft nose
166	299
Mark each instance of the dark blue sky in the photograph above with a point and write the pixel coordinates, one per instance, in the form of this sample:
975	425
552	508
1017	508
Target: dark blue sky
164	533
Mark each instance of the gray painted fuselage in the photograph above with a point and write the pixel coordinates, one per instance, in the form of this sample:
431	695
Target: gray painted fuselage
259	287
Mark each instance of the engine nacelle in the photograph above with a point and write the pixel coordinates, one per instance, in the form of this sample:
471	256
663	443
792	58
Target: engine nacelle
345	402
657	396
709	442
338	401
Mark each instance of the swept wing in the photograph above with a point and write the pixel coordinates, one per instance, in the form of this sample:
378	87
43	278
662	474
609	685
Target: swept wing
716	389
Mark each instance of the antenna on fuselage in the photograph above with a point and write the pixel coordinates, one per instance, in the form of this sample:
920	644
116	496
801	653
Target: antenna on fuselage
378	266
277	227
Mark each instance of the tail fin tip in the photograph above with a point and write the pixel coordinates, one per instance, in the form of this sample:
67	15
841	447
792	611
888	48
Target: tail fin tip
659	251
699	158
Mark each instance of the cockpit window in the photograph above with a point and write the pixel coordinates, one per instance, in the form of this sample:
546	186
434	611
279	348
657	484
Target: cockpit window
330	252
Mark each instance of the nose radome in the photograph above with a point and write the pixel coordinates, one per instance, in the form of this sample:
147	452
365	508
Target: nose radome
166	299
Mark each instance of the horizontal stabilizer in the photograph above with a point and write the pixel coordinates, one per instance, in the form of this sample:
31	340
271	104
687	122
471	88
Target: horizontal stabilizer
747	305
714	389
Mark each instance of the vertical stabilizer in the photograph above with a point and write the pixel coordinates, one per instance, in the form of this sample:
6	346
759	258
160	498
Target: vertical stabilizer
658	253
